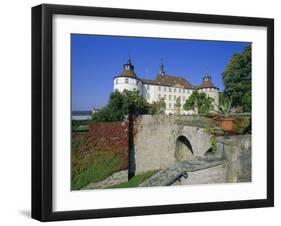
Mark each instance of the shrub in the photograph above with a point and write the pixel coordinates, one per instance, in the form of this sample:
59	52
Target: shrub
242	125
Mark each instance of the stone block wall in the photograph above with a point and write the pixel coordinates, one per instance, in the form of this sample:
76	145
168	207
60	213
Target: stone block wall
236	150
156	136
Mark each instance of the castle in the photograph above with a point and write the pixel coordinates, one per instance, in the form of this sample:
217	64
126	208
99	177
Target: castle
168	87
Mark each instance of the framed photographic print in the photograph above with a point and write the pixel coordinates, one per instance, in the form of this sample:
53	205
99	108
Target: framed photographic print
145	112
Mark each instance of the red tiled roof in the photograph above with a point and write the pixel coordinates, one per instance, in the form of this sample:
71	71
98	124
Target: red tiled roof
128	73
206	84
169	80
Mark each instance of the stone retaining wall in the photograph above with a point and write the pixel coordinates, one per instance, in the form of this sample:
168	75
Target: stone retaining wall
237	151
155	139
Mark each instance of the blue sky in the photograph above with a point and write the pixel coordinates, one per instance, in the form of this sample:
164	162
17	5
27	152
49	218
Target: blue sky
97	59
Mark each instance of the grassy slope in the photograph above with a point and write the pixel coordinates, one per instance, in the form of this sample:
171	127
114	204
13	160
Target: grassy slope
93	166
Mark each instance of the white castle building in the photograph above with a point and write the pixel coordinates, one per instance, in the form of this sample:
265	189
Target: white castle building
165	86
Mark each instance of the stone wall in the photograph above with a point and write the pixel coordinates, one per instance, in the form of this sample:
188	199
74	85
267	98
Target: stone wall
156	136
230	164
236	150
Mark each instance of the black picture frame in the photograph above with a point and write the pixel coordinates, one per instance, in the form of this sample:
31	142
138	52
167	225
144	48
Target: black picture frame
42	111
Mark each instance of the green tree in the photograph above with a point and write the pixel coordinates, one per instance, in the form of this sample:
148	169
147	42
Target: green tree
203	102
237	77
119	105
133	103
157	107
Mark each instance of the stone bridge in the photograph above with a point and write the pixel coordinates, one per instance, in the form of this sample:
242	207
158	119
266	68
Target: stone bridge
159	141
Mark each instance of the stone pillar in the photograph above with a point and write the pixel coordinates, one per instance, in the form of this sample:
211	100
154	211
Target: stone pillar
230	152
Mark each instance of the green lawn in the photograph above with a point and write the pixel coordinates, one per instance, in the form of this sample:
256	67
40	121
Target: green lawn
136	180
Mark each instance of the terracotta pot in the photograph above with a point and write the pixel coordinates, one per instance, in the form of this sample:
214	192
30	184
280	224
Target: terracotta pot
227	124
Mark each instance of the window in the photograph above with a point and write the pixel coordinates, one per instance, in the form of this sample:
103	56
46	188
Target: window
137	82
175	97
134	89
183	98
170	105
126	80
183	90
170	90
147	96
165	97
175	90
170	97
179	90
164	89
159	96
116	81
159	88
147	87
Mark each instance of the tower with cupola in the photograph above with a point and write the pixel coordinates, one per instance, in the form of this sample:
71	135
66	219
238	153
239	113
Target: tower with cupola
127	79
208	87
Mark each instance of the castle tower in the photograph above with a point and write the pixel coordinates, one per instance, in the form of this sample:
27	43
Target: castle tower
127	79
161	73
208	87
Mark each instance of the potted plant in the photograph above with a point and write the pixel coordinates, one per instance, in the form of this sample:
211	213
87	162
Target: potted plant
224	109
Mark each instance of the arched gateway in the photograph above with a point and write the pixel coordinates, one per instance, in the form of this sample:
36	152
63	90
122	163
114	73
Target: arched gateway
184	150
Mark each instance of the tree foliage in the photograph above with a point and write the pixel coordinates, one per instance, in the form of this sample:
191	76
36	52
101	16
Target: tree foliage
237	78
157	107
203	102
119	105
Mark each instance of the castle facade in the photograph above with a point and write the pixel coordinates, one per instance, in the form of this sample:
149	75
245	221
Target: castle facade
166	87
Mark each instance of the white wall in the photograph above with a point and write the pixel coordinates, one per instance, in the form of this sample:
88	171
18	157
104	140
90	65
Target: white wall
15	112
122	83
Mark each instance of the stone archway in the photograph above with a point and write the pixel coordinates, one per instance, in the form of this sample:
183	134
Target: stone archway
184	151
